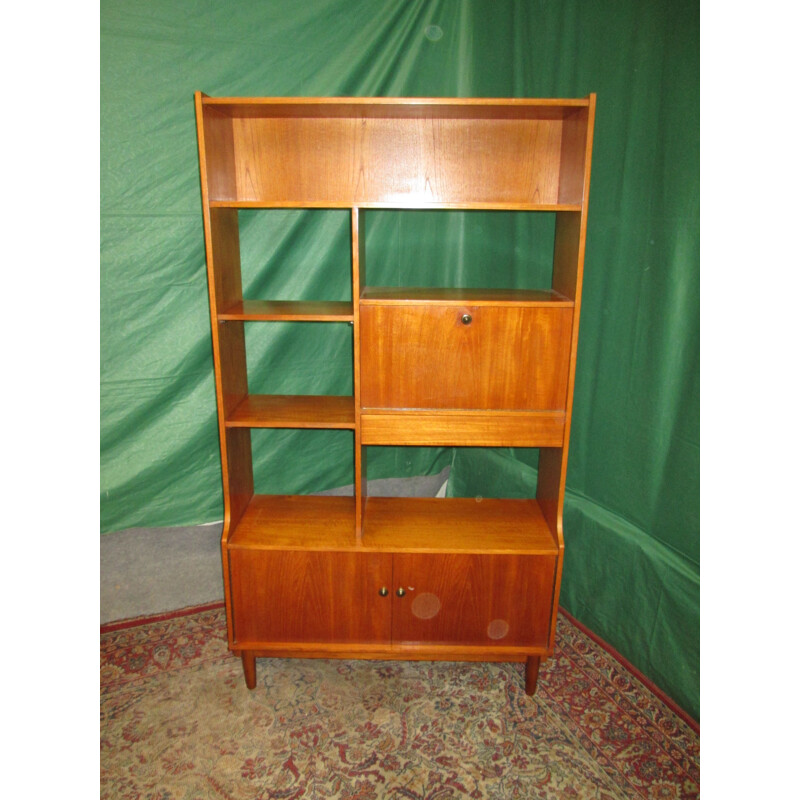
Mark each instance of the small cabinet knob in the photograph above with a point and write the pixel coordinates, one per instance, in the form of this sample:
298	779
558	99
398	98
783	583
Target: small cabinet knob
401	591
383	591
466	318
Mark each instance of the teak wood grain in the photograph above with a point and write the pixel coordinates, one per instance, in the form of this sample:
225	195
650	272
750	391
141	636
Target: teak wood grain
472	599
373	161
425	356
309	596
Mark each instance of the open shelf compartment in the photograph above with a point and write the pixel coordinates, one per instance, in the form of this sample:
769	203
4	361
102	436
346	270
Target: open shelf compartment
411	152
457	525
293	411
295	522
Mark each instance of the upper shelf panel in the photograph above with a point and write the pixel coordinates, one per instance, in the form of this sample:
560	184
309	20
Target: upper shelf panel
388	152
398	107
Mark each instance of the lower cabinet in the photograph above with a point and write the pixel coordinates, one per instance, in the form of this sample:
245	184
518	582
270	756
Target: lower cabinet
392	599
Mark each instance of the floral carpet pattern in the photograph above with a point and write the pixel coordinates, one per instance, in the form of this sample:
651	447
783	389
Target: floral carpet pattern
177	722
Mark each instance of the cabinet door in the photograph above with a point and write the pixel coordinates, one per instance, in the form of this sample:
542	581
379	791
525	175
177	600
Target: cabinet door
464	357
465	599
309	596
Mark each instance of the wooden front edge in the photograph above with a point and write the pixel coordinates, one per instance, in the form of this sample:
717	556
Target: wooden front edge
568	263
488	429
401	652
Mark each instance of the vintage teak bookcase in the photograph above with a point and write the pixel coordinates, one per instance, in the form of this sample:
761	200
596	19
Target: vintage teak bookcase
387	577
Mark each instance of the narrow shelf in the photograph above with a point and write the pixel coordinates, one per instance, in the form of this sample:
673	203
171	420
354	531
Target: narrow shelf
412	295
457	525
290	311
293	411
296	522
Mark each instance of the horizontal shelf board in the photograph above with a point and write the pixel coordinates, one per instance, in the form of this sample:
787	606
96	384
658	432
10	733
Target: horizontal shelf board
398	107
397	204
394	524
405	295
292	522
293	411
468	428
290	311
457	525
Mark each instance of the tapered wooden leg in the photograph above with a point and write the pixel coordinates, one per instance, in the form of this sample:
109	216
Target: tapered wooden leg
531	674
249	666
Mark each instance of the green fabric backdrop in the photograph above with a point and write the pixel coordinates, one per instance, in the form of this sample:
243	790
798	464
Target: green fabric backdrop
632	510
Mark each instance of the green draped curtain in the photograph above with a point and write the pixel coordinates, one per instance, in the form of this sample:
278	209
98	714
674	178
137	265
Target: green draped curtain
632	509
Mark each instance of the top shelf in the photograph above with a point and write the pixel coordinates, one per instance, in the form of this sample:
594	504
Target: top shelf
398	107
394	152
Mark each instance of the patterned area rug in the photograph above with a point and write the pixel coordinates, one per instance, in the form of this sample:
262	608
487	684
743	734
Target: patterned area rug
178	722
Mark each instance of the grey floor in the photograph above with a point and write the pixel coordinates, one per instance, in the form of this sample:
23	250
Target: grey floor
151	570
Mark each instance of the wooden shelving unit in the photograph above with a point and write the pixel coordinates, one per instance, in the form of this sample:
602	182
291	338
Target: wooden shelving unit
380	577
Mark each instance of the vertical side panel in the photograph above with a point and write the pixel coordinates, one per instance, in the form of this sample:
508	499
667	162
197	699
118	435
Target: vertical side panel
230	360
568	258
567	255
573	153
219	154
215	152
226	257
239	472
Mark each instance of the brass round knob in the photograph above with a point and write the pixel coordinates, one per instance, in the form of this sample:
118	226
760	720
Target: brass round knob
383	591
401	591
466	318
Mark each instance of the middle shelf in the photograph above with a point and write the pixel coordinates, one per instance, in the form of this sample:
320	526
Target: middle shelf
293	411
289	311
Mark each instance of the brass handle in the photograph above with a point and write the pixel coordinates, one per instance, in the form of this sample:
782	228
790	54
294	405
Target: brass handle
466	318
401	591
383	591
